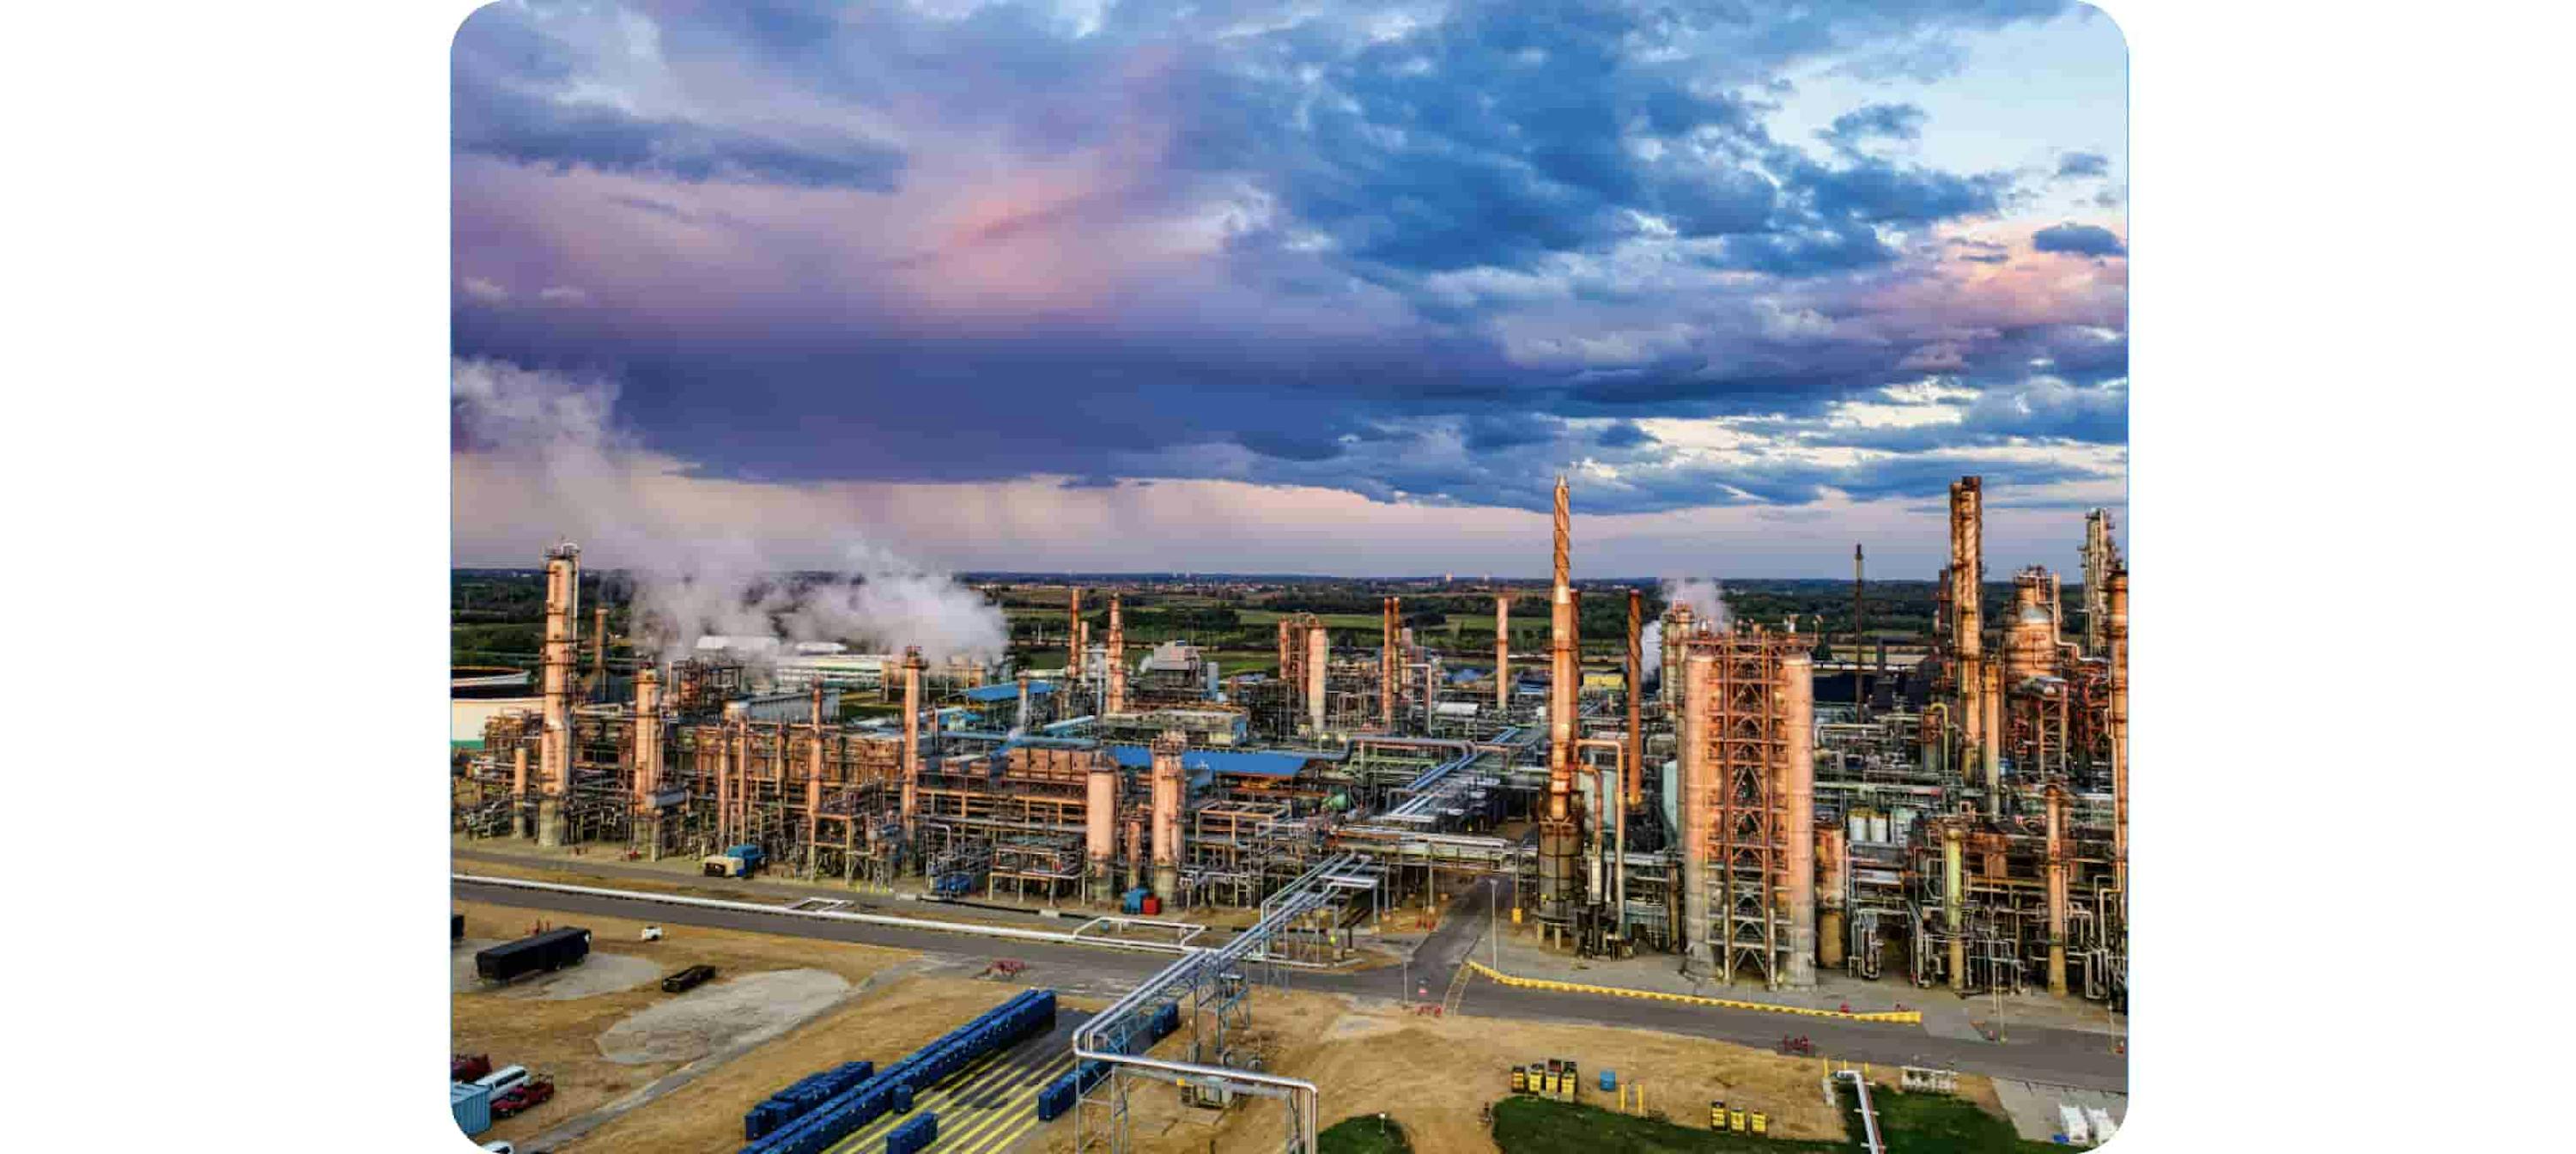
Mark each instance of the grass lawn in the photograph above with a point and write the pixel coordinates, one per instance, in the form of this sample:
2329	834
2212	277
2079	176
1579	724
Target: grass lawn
1363	1135
1911	1123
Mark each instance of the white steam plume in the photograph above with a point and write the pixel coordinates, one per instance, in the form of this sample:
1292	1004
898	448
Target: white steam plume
557	435
1707	601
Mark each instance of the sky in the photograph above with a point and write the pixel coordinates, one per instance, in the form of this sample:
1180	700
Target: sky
1304	287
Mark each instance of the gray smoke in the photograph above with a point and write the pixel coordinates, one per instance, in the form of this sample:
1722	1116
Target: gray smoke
557	433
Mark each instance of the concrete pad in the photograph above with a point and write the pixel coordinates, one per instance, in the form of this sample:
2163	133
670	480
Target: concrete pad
735	1012
2033	1105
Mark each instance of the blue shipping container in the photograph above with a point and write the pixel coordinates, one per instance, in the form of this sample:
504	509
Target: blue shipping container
472	1105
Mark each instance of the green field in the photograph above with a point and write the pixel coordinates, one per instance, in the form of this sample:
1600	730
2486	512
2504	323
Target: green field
1365	1135
1910	1123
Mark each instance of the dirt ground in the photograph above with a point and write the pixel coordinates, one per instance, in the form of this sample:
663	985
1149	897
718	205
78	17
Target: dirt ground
1435	1075
561	1037
880	1025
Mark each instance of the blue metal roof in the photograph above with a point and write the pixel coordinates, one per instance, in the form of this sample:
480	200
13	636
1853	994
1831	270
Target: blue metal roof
1007	691
1250	763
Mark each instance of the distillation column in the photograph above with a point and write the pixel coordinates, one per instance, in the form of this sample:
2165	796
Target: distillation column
1170	790
519	791
1020	720
1387	667
1117	660
1318	653
1100	824
1677	628
648	757
814	783
1967	625
1798	789
1954	897
1833	856
554	750
1556	832
1699	671
1502	656
911	785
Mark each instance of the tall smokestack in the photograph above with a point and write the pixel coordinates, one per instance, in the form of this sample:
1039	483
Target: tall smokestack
1318	652
1798	781
1169	791
1636	700
1386	663
598	650
648	755
2116	634
1502	656
1073	638
912	666
1117	659
1860	635
554	761
1557	836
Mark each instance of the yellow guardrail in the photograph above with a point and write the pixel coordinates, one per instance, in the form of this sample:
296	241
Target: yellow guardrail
1906	1016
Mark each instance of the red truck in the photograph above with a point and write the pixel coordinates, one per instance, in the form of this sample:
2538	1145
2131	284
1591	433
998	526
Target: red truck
468	1067
524	1096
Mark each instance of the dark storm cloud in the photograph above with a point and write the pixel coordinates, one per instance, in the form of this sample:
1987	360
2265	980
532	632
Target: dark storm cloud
1478	167
2078	240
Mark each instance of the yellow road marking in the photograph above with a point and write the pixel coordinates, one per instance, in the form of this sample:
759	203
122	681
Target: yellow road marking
1692	999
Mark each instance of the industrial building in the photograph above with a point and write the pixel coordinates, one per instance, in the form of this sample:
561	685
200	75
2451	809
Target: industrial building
1956	818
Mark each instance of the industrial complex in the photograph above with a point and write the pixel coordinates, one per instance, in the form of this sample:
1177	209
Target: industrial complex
1753	808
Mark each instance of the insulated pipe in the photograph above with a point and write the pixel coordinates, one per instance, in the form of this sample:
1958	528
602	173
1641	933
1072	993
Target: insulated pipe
2056	890
1798	783
1318	653
912	666
1636	759
1100	819
519	789
1699	670
1502	655
1954	883
1993	702
1169	793
1117	659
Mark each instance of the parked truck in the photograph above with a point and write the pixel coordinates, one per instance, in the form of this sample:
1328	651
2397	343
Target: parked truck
552	950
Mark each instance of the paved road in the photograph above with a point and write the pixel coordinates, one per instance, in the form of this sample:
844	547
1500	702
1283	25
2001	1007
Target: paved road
2065	1057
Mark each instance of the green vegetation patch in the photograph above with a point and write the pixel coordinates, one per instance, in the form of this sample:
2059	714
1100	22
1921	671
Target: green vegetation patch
1910	1123
1368	1134
1939	1124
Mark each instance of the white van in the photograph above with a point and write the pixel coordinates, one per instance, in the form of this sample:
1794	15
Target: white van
499	1081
